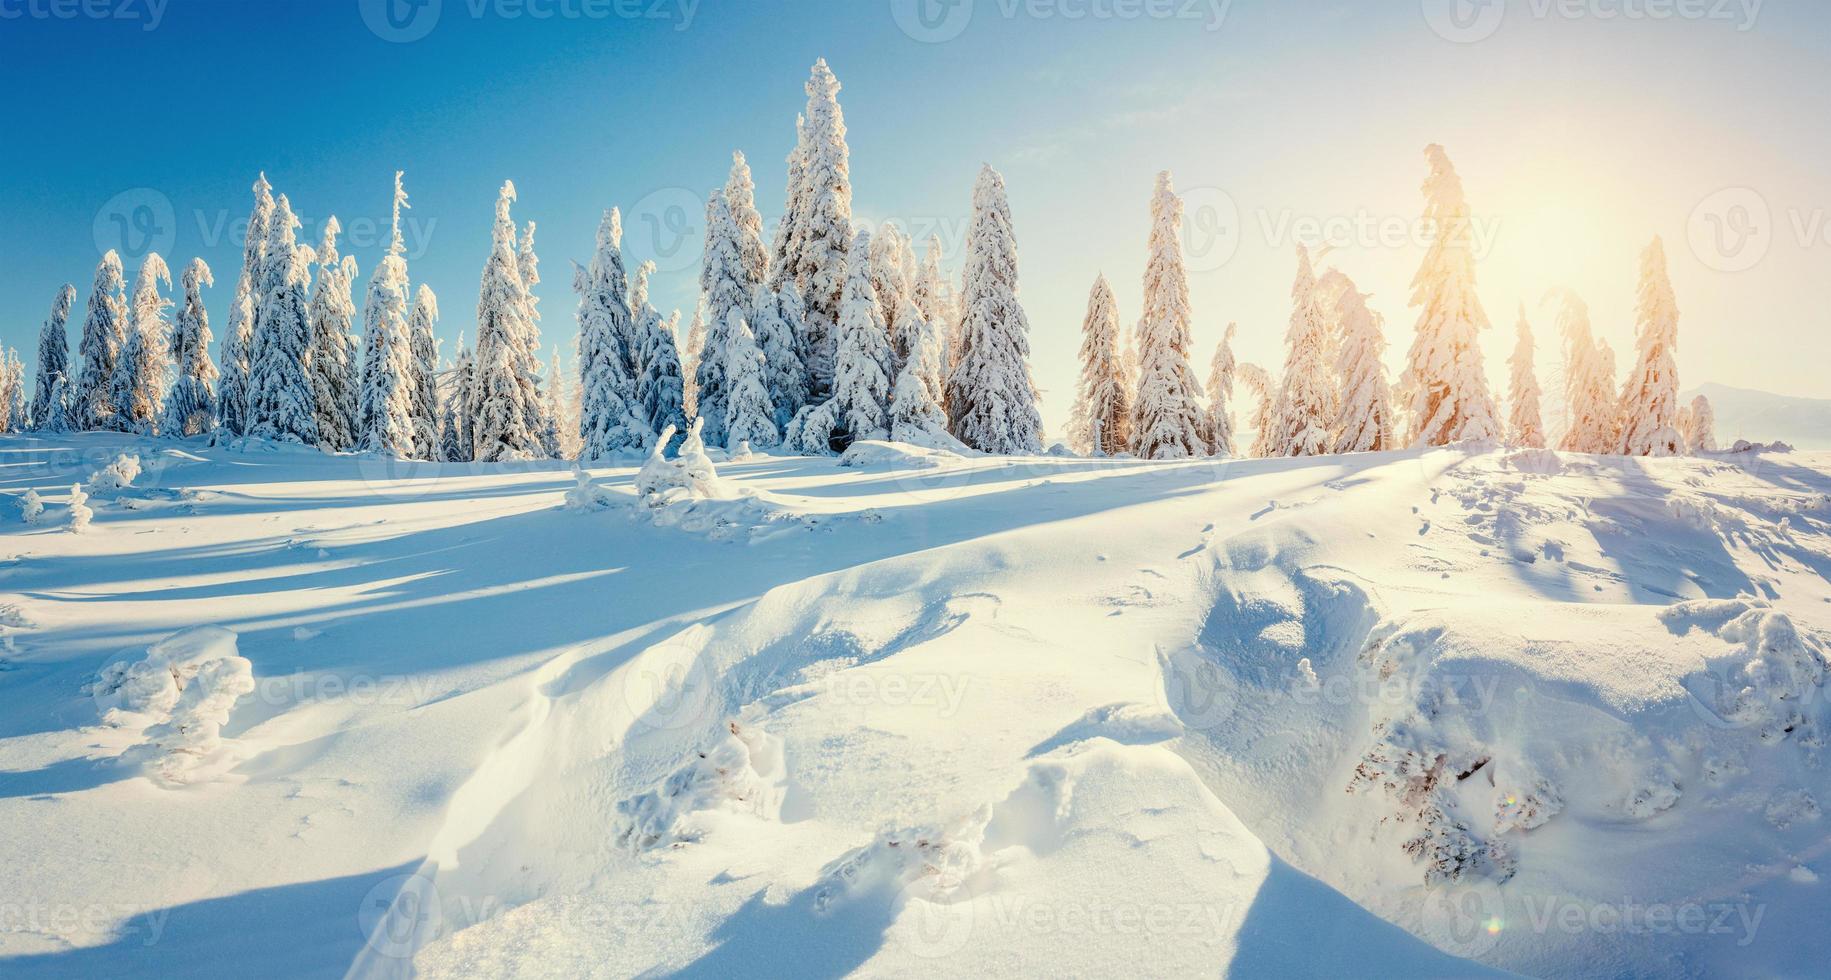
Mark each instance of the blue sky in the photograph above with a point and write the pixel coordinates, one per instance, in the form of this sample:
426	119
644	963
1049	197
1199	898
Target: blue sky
1580	129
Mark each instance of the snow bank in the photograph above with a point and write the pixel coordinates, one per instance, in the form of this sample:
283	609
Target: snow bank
180	694
903	455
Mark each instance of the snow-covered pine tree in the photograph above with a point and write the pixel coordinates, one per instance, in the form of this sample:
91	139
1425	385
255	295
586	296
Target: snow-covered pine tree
891	284
423	354
47	413
611	419
534	402
190	406
1305	425
991	401
926	289
1221	372
690	357
1366	422
1265	411
1649	398
1166	417
1589	414
1100	424
233	397
1445	382
283	406
454	426
916	415
104	333
137	388
775	321
1700	426
749	417
499	396
385	406
741	201
12	392
661	392
860	385
824	225
559	394
1525	418
332	365
782	251
724	283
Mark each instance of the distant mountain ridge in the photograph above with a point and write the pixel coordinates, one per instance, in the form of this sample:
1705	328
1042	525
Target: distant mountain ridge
1762	416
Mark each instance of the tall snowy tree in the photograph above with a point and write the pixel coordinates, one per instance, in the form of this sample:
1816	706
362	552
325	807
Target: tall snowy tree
104	333
1304	426
928	289
891	284
991	401
775	320
1525	419
385	406
916	415
454	425
1445	382
690	357
535	406
1649	398
190	405
234	397
1221	372
137	389
1589	414
661	392
332	364
47	411
611	419
1100	424
749	417
500	391
1265	411
424	355
782	256
1366	422
741	201
1166	417
723	281
12	393
1699	425
823	225
284	406
860	385
559	394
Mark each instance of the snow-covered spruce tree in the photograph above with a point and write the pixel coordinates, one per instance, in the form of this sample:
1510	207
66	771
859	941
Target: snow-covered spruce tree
1700	426
385	405
1366	422
661	392
611	419
283	406
423	353
1589	413
137	389
1649	397
454	426
860	385
741	201
1221	372
1305	424
690	356
332	365
12	392
1166	418
1445	383
928	290
724	283
891	284
502	428
559	393
823	230
535	402
782	265
749	417
916	415
233	397
775	321
1100	424
47	413
104	333
190	406
991	401
1525	418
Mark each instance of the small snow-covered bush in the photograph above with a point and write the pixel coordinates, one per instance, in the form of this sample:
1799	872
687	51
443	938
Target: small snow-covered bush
117	475
586	495
182	692
79	509
31	507
688	476
743	772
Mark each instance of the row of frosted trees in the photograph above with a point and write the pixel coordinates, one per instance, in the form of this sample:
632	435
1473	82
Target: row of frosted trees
1138	392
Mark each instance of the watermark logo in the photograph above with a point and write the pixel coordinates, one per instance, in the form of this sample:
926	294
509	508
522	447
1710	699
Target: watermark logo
398	912
148	13
1201	694
401	21
1211	228
1464	919
936	21
1470	21
1731	230
933	930
932	21
136	223
668	226
670	687
1465	21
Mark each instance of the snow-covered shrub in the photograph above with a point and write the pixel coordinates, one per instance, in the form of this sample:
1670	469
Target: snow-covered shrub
688	476
586	495
929	862
1769	678
743	772
182	692
79	510
31	507
117	475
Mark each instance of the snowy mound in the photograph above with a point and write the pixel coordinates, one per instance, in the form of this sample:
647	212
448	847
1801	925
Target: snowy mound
179	695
